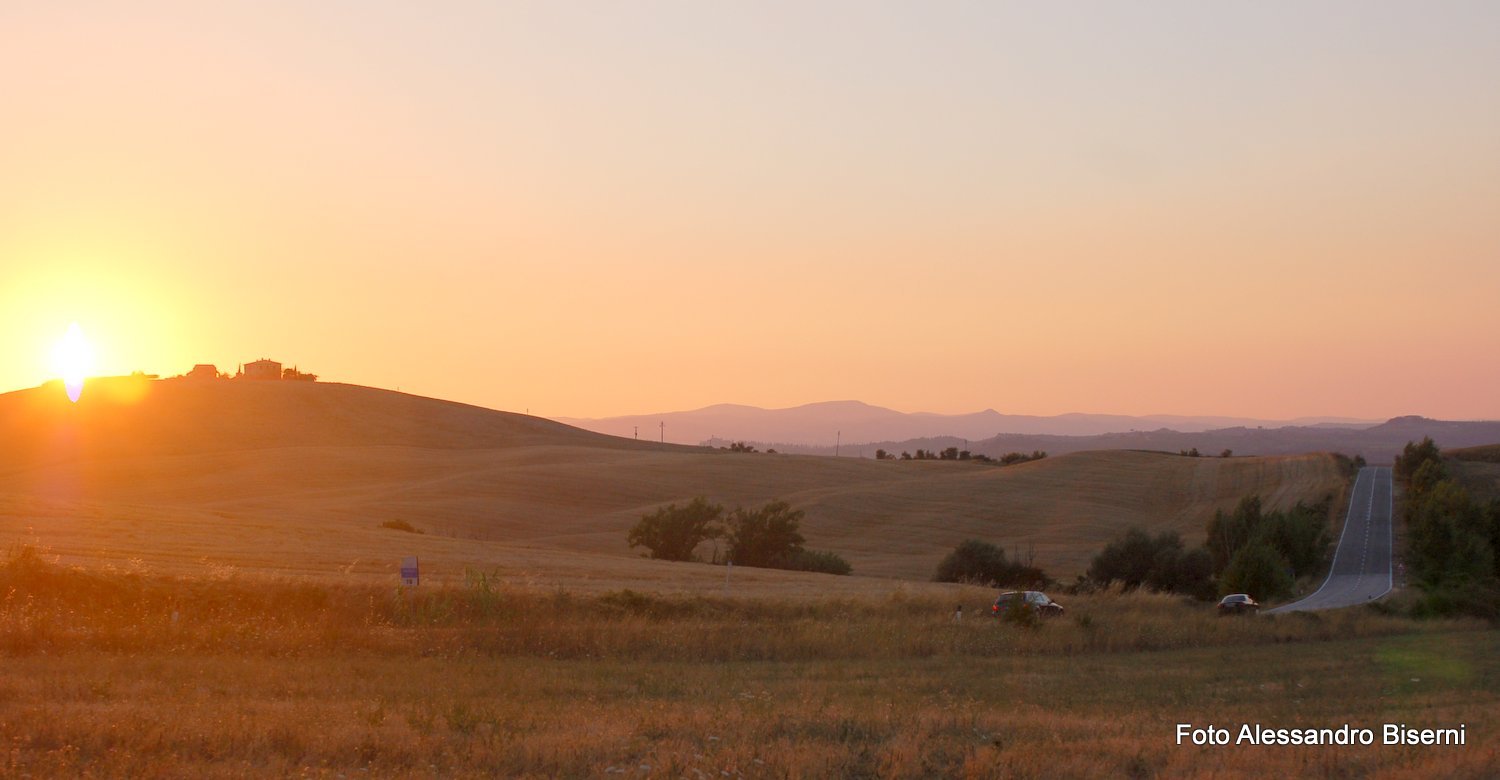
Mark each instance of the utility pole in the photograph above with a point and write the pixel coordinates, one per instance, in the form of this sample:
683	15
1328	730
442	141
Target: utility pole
663	431
837	442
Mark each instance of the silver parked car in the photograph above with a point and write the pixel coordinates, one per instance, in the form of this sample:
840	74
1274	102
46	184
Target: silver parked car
1238	604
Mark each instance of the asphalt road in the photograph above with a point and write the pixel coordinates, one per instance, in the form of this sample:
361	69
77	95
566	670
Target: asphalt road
1361	569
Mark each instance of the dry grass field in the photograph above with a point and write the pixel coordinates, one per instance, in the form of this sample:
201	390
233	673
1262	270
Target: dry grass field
1485	454
198	585
1477	469
118	674
296	478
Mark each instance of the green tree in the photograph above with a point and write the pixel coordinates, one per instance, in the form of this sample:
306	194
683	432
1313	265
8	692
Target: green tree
764	537
1228	533
1413	456
1257	569
1301	535
1453	543
1492	522
1449	540
1177	570
1127	560
672	533
1161	563
974	561
1426	476
983	563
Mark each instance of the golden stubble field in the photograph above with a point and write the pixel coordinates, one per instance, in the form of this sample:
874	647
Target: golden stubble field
131	675
198	586
295	478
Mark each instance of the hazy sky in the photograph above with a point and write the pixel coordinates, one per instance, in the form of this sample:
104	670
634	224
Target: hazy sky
1270	209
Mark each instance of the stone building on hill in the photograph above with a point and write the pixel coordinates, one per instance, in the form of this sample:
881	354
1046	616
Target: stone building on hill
263	369
203	371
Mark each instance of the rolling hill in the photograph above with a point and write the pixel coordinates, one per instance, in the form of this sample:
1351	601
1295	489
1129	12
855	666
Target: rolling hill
296	477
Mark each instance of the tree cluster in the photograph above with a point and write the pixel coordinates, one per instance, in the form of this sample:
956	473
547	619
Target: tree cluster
768	537
1348	466
954	453
982	563
1248	551
1194	453
1452	539
951	453
1263	553
1161	563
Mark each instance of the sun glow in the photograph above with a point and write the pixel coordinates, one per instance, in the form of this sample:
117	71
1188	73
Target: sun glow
73	359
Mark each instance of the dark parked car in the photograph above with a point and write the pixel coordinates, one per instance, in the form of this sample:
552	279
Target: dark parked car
1034	600
1238	604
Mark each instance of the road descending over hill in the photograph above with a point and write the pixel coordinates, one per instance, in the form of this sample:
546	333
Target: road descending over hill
1361	569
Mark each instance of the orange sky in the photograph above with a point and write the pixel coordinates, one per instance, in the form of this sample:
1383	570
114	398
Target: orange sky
597	209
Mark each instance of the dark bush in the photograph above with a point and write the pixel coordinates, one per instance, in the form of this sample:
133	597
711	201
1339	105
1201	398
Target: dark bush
763	536
672	533
821	561
983	563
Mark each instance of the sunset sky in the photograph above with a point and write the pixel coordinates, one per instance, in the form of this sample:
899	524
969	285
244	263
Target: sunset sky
1268	209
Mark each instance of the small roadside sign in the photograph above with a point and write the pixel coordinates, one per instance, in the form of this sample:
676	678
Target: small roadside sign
409	571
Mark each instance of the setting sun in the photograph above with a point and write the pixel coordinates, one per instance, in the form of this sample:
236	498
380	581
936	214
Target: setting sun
73	359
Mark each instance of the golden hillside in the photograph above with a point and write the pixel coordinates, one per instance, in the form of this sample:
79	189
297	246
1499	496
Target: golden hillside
297	477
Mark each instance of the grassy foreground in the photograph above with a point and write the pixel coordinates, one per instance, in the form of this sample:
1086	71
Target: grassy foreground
115	674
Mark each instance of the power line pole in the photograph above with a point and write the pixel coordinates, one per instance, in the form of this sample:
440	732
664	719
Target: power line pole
663	431
837	442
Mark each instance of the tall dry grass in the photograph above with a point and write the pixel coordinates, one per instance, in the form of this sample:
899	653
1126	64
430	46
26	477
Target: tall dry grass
127	674
48	608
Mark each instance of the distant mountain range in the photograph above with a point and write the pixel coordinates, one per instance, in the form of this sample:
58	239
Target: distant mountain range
855	422
852	428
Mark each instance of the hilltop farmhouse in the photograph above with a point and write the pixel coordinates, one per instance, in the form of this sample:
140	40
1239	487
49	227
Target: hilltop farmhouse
262	369
202	371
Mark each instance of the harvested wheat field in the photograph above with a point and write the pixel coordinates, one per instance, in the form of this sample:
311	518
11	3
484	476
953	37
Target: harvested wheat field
199	584
113	674
297	478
